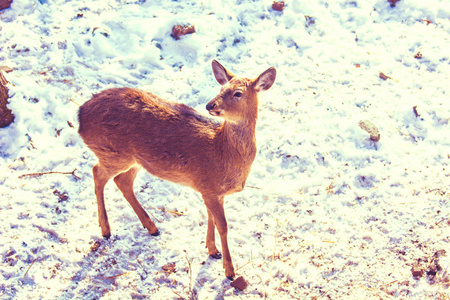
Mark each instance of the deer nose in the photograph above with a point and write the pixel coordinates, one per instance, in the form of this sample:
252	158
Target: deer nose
210	106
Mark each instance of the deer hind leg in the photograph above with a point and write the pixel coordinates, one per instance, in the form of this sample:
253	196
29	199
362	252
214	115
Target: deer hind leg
124	182
215	206
102	175
210	237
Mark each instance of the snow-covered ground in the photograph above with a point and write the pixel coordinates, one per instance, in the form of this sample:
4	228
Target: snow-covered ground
327	213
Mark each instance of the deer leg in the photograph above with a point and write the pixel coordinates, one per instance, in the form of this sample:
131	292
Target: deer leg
101	177
124	182
215	206
211	239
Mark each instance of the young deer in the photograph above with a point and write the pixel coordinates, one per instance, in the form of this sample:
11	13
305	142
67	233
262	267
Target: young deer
129	128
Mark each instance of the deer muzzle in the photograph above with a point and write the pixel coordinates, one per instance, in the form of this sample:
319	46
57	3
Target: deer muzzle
213	108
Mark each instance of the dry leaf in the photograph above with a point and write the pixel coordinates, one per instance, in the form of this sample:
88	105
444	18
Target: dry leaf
6	69
384	76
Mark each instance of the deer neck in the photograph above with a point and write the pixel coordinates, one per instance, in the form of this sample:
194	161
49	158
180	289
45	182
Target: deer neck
238	139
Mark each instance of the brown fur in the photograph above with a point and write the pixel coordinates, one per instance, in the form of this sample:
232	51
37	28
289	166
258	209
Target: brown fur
129	128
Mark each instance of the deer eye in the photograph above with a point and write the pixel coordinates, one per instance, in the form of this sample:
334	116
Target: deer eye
237	94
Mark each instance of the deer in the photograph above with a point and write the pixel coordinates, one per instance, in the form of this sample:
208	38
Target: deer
129	129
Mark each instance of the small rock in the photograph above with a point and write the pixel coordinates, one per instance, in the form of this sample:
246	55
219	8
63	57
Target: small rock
169	268
95	246
239	283
371	129
5	4
416	270
278	6
310	20
432	269
393	2
179	30
6	115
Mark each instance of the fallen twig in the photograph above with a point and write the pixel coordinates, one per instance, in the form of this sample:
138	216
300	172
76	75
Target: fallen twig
173	212
71	100
250	261
254	187
192	295
329	187
29	268
51	232
155	217
115	276
288	273
86	65
181	297
264	286
370	191
50	172
406	135
274	246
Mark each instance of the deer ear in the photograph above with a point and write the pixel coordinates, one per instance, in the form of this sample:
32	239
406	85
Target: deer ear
265	80
222	75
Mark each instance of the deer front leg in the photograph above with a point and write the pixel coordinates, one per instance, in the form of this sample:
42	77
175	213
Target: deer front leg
215	206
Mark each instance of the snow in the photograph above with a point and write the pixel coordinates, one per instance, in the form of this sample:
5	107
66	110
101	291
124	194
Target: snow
326	212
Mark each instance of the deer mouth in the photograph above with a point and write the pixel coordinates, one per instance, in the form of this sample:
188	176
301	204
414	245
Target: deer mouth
216	113
213	109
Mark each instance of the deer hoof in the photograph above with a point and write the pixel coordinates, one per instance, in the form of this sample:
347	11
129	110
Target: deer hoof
106	237
216	256
156	233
